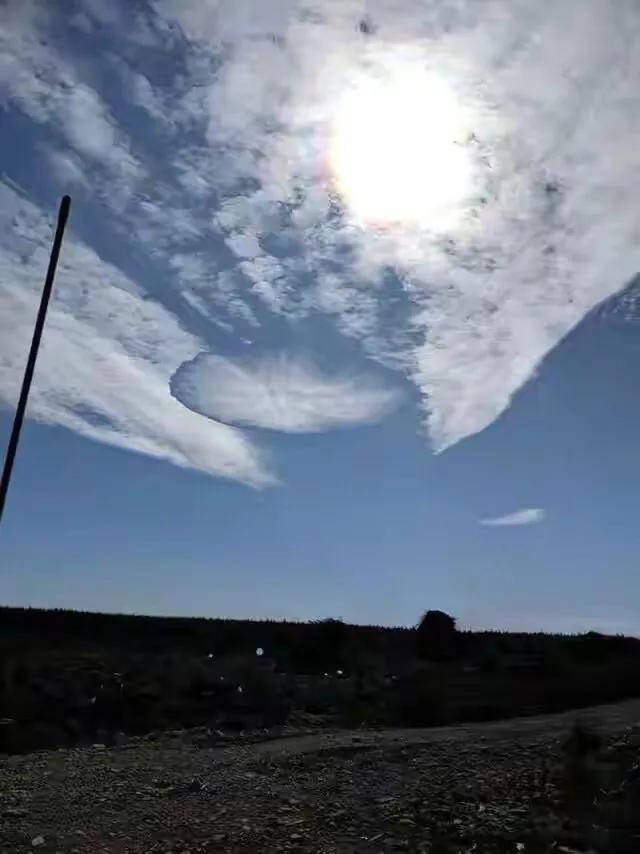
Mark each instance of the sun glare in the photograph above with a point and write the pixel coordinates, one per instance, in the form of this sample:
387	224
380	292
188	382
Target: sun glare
397	149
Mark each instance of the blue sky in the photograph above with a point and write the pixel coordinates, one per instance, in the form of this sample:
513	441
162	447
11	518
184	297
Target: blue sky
345	321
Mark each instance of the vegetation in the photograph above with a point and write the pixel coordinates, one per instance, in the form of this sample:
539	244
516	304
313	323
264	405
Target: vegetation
436	636
597	783
71	678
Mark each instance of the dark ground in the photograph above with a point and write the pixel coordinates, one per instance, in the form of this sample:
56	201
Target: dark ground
70	679
137	734
468	788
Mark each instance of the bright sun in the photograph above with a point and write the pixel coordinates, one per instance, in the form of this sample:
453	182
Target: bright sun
397	149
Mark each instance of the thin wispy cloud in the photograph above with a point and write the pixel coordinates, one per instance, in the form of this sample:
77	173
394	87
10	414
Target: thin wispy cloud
106	356
285	392
40	80
549	230
208	179
528	516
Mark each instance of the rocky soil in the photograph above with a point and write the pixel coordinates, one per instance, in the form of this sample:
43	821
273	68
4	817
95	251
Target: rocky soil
468	788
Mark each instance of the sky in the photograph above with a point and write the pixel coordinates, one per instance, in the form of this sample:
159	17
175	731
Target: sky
345	321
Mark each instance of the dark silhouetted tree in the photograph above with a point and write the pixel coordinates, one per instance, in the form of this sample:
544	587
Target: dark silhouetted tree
436	636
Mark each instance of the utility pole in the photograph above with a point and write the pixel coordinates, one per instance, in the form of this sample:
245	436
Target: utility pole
12	447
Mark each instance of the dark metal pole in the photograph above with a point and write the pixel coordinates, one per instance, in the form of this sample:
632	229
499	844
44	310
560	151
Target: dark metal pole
12	447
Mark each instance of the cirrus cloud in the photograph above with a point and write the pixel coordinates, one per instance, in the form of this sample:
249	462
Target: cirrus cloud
107	354
206	179
549	229
285	392
528	516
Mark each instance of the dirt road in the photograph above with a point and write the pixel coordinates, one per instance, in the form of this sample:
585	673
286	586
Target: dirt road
370	791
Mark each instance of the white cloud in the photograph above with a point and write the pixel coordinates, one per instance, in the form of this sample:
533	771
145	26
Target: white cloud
244	245
161	226
39	80
550	229
141	92
107	355
231	155
281	392
67	167
529	516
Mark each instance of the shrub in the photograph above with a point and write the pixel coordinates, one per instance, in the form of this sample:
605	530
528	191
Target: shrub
579	780
436	636
490	661
321	647
419	700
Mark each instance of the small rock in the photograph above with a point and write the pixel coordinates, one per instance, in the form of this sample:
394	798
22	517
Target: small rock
37	841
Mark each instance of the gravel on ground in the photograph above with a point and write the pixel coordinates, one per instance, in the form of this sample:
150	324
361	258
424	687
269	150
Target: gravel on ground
466	788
